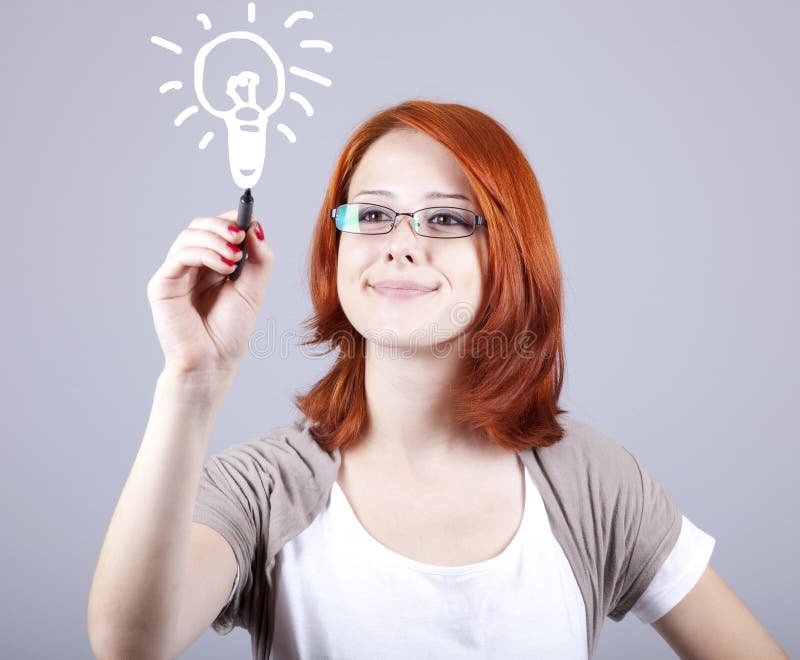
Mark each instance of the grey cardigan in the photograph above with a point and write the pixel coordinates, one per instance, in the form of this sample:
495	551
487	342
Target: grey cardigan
614	522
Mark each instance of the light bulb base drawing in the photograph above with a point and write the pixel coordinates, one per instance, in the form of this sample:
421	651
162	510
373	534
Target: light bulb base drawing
247	145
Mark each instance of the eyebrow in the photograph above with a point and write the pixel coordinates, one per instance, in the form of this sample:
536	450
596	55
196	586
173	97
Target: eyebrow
432	195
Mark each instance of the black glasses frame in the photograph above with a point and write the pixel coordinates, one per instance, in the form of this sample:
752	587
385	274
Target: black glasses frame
479	219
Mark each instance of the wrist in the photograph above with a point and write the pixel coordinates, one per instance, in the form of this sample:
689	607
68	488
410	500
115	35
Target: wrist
204	388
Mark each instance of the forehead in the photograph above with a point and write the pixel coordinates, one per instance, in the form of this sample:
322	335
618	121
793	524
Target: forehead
409	161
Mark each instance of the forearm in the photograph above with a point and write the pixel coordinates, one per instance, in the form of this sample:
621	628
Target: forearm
137	583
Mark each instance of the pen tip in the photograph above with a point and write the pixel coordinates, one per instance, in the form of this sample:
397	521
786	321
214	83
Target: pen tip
247	194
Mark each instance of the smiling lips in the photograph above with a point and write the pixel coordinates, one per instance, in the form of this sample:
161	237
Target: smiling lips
401	288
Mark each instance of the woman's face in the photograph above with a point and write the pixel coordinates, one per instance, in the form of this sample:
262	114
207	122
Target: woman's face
413	171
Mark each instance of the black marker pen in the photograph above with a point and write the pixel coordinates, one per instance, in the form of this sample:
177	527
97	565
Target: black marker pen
243	221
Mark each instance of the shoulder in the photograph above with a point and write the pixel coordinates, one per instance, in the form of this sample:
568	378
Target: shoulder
584	451
598	485
604	502
275	482
287	451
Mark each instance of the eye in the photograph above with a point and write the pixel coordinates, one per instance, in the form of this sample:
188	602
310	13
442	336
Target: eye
447	219
373	215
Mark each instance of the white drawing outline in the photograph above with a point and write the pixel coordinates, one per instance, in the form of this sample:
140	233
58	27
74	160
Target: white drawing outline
288	132
310	75
206	139
303	102
302	14
246	138
169	45
185	114
205	20
169	85
327	46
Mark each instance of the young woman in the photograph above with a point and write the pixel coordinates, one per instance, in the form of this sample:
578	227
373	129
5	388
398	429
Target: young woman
431	499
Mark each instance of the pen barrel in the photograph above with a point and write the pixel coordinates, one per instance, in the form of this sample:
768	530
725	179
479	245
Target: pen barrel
243	221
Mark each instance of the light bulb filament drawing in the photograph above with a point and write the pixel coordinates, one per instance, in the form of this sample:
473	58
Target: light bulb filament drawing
246	121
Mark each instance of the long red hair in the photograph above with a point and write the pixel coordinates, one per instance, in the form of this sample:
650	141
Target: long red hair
511	398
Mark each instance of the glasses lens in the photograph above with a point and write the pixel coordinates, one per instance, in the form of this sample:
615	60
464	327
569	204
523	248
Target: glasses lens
363	219
446	222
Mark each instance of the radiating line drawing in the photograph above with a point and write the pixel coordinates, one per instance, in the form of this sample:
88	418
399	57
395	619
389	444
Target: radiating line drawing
192	109
172	84
206	139
159	41
288	132
303	14
205	20
247	119
310	75
327	46
303	102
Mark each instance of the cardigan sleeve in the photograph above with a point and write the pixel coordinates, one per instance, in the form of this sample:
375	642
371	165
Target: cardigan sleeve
258	494
653	525
230	499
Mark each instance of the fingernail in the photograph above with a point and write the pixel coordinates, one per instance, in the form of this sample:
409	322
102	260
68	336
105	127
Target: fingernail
259	231
233	229
233	247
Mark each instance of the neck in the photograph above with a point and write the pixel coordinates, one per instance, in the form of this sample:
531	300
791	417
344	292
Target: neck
408	404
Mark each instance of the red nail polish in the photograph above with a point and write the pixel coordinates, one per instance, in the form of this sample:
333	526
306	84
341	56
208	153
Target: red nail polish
227	261
233	247
233	229
259	231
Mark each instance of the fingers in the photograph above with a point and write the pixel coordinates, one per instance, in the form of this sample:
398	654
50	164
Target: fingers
182	260
224	246
259	251
216	242
252	281
216	233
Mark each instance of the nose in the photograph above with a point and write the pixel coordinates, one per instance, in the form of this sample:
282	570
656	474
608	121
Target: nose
402	243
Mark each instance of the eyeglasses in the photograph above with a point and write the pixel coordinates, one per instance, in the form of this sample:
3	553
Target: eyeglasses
434	222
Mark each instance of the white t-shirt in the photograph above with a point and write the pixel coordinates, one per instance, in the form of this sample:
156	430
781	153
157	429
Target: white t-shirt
340	593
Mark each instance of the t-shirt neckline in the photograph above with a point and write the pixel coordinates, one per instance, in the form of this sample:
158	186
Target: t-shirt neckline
506	554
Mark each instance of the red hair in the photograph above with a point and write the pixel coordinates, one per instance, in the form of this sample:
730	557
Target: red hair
512	399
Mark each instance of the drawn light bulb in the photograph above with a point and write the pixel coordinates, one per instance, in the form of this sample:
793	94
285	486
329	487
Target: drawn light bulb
246	121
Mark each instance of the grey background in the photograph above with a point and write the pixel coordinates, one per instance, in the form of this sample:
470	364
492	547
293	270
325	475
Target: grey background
665	139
